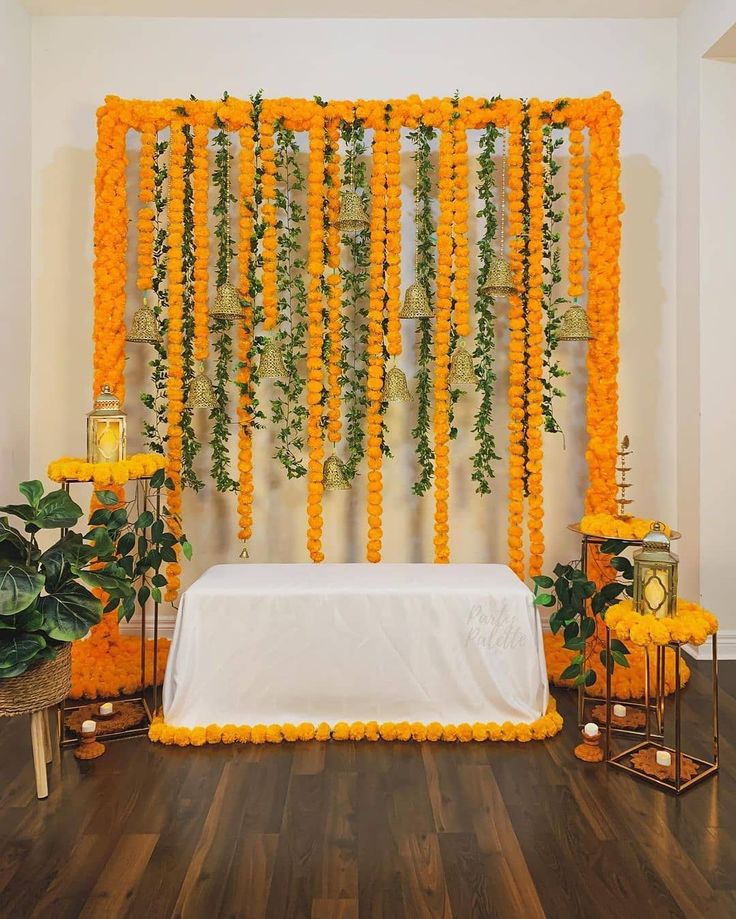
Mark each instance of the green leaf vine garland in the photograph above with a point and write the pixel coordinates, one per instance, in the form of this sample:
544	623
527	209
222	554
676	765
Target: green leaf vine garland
354	365
220	328
287	410
156	400
485	340
551	303
426	273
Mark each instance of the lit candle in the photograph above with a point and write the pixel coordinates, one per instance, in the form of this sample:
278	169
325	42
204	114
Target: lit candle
619	711
89	727
590	729
664	758
106	709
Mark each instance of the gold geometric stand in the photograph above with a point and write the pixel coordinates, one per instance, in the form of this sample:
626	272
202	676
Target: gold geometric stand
672	780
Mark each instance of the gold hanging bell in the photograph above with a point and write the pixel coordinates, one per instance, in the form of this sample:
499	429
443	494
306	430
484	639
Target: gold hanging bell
227	303
416	303
244	551
144	328
201	390
352	217
461	368
396	389
271	363
574	325
334	474
500	280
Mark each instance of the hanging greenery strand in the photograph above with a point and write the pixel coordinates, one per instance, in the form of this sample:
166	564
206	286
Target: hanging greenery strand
287	410
190	444
425	270
485	340
553	217
354	363
250	233
220	328
155	400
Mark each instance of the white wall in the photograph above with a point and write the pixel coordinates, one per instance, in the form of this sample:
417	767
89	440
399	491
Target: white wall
706	234
15	239
77	61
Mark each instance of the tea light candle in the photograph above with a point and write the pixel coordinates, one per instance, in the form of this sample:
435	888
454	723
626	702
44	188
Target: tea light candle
89	727
106	709
664	758
590	729
619	711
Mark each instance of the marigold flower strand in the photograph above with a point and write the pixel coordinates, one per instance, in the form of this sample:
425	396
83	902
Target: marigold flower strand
269	243
334	299
200	209
146	213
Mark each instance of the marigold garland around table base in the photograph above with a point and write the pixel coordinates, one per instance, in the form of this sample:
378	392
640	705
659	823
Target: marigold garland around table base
548	725
317	295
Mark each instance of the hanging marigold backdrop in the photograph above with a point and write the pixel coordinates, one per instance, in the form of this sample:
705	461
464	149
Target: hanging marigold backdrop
330	298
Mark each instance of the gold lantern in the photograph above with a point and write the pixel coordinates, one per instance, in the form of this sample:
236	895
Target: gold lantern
106	429
574	325
143	328
655	575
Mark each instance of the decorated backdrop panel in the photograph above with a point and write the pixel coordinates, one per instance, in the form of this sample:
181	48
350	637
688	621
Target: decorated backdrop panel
268	245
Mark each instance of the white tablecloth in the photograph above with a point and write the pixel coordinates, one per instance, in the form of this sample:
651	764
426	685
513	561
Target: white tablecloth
275	643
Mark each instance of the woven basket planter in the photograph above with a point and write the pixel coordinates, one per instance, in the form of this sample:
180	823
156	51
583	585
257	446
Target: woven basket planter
39	687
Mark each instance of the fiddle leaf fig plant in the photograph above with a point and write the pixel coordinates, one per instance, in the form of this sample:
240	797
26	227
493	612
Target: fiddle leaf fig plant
576	603
52	596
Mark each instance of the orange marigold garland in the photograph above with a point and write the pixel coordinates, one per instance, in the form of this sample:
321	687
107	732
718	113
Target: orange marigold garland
443	313
576	182
460	229
535	340
393	236
374	385
246	206
146	213
269	244
517	337
111	245
315	334
175	387
334	292
604	229
200	212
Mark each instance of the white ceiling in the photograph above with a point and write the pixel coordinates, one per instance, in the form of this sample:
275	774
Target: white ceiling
344	9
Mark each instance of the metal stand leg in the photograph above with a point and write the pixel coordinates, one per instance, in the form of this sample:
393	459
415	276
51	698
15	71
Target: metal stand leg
716	731
678	752
647	733
608	695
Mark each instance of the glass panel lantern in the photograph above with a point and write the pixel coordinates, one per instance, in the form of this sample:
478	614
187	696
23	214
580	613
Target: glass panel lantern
106	429
655	575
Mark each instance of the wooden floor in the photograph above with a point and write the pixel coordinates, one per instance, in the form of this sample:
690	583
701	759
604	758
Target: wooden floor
370	830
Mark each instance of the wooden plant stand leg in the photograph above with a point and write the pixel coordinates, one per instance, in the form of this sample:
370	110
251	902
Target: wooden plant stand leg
39	754
47	745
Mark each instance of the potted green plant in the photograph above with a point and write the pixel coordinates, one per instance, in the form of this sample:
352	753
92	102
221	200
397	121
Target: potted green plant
46	595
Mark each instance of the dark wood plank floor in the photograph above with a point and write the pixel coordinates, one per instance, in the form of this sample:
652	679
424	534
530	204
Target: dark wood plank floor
386	831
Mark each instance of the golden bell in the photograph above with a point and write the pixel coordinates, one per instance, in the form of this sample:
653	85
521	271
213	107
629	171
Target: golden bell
461	367
395	389
416	303
500	280
574	326
271	363
144	328
334	476
352	217
201	391
227	303
244	551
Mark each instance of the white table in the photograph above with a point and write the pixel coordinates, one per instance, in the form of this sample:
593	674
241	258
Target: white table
271	644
